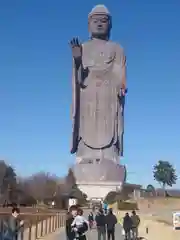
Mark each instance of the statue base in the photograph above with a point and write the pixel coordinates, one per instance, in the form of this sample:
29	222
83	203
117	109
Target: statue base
96	180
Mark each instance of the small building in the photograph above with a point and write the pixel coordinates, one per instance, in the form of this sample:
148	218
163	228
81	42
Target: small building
133	190
127	192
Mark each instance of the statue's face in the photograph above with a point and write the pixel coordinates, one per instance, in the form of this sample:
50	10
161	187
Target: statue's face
99	26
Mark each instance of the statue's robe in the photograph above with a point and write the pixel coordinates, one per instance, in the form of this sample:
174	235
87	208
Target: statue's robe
97	107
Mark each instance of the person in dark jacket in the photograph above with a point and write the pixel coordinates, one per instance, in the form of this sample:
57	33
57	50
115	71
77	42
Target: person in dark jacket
105	206
82	232
69	233
13	225
73	231
127	225
111	221
91	219
101	224
80	225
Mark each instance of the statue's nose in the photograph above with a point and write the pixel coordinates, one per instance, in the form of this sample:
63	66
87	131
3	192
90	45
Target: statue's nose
99	25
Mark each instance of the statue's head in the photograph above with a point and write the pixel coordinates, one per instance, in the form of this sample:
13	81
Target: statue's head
99	21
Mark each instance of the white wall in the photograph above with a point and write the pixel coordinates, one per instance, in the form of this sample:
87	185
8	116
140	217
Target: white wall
98	190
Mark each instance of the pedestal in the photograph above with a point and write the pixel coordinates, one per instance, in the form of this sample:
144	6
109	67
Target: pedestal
96	180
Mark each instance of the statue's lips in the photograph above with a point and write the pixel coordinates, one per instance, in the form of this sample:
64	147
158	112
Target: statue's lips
100	29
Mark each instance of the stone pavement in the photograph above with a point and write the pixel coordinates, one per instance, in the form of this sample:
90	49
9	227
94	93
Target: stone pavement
91	235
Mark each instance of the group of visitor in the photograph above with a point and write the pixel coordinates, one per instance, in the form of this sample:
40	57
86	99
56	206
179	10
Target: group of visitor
105	224
130	225
77	225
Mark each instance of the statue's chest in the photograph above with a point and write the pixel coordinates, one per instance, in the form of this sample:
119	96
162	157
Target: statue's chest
98	56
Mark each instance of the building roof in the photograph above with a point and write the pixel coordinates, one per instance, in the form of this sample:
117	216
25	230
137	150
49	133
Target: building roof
132	185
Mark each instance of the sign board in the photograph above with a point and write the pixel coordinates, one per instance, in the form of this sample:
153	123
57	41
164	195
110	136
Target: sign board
176	220
72	201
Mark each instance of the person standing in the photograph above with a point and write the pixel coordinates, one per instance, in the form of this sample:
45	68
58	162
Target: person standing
127	225
111	221
91	219
70	235
105	206
135	224
101	224
80	225
13	226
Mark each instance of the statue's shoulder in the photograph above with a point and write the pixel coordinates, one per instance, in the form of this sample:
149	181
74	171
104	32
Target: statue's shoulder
117	47
87	43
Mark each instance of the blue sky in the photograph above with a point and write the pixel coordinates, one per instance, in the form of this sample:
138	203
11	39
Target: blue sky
35	82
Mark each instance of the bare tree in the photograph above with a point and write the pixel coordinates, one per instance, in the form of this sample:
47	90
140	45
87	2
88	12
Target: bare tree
7	181
41	186
70	179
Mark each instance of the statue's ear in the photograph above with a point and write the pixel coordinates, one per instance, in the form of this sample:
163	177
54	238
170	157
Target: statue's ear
110	23
89	19
88	26
89	29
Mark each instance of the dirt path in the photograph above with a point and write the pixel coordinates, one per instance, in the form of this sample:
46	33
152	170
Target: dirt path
157	230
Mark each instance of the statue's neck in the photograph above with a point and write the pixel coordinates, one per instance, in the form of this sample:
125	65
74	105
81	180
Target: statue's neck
98	39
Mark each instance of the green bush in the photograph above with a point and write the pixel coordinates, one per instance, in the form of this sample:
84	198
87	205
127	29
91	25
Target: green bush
127	205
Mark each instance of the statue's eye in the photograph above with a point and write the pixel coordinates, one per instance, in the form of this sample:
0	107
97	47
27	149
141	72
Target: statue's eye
95	20
104	20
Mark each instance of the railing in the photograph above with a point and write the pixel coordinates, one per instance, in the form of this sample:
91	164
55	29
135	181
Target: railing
40	227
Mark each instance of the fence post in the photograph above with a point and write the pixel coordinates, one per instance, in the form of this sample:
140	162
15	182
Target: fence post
36	228
60	221
52	227
49	225
56	222
22	233
41	228
46	226
30	231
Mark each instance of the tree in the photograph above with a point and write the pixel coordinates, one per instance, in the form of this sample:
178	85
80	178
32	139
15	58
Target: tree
7	181
165	174
71	187
70	179
41	186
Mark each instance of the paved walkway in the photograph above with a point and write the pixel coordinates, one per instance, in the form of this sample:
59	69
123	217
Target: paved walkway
91	235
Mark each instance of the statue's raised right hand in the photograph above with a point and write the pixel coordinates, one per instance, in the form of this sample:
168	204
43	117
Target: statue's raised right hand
76	48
